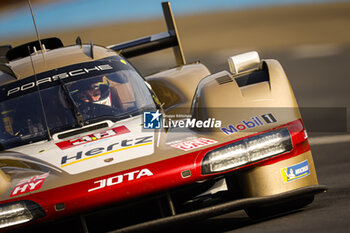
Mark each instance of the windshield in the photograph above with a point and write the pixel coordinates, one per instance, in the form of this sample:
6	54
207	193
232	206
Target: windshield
116	93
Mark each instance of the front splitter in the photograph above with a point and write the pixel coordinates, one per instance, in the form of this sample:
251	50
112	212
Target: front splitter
224	208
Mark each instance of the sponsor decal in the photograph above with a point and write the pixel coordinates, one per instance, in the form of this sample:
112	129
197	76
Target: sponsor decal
92	137
193	144
53	78
104	150
30	184
253	122
296	171
114	180
152	120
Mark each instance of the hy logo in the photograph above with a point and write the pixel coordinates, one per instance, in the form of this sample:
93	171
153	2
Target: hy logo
152	120
29	184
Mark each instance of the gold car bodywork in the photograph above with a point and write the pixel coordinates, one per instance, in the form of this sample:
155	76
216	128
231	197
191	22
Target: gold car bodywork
231	103
187	89
191	87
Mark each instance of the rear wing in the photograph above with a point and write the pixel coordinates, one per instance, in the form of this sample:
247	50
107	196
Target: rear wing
155	42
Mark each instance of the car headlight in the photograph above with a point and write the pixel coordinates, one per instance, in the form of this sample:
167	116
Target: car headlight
19	212
246	151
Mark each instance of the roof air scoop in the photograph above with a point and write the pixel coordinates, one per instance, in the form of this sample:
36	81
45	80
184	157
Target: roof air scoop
22	50
244	61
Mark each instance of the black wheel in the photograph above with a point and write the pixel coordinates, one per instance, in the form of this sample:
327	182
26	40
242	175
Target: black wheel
275	209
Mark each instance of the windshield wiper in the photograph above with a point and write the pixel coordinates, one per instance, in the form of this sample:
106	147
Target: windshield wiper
77	113
121	116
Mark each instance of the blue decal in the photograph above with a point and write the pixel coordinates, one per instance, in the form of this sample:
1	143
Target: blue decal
152	120
296	171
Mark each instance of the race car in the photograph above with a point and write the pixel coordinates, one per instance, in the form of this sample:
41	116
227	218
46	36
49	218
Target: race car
88	144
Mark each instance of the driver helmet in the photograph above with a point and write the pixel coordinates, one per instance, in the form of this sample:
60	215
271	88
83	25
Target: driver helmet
93	90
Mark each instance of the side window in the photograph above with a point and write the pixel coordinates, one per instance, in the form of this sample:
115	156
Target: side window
22	117
122	91
130	90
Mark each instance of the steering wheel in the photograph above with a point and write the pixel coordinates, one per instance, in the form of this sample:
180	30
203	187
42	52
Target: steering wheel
91	110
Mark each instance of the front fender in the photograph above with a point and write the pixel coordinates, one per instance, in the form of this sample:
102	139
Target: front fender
234	98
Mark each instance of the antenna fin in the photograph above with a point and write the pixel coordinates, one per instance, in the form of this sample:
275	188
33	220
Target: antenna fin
78	41
36	30
171	25
91	49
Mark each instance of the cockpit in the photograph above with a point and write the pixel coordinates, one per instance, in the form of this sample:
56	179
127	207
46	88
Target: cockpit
71	97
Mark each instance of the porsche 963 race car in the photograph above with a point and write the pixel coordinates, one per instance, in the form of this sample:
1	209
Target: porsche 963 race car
85	138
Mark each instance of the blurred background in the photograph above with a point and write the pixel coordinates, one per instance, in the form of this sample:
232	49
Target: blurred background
310	38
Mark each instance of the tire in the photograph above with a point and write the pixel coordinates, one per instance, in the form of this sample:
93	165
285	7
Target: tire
275	209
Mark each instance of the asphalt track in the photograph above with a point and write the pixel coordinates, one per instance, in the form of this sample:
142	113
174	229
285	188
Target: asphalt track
319	79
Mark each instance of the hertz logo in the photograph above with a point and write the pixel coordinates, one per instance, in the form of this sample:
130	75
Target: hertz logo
100	151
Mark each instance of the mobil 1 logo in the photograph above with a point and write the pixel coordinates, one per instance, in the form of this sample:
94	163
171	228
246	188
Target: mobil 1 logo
269	118
251	123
